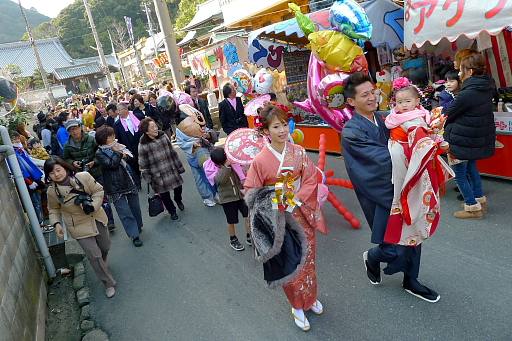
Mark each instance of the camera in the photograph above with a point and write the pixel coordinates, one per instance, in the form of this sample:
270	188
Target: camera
83	165
84	200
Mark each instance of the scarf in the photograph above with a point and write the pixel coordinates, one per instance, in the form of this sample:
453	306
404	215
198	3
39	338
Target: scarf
135	122
232	101
123	150
395	119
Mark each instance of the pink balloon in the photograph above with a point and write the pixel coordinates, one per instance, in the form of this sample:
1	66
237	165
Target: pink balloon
334	117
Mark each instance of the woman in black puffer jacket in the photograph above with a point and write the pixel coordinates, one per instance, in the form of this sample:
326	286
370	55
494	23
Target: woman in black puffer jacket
119	181
471	133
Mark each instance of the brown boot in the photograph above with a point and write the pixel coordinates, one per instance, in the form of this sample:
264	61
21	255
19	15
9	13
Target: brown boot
483	203
470	212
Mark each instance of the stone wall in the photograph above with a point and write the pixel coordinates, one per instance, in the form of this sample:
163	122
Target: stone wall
22	281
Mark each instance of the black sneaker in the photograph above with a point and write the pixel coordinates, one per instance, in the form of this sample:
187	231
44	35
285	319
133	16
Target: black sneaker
174	216
372	273
235	244
111	227
137	242
415	288
248	239
180	205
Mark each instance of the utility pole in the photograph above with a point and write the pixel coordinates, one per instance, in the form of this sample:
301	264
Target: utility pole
103	60
150	31
38	59
115	55
162	12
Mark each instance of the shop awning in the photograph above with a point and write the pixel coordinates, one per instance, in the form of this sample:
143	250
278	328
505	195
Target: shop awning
431	21
386	17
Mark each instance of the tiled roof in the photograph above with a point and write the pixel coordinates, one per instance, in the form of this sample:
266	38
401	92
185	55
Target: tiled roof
111	60
20	53
77	70
205	12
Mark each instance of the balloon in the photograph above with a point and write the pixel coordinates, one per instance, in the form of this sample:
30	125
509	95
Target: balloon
251	108
242	81
298	136
263	81
334	117
305	23
349	18
291	124
330	90
337	51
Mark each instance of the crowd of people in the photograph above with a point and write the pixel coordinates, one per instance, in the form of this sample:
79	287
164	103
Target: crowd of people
394	162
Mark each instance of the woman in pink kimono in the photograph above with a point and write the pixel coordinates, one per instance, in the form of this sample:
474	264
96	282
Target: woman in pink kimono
282	162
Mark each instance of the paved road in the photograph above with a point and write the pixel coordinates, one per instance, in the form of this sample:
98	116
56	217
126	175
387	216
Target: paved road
185	283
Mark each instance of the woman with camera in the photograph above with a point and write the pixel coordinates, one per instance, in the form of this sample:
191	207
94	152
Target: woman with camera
75	200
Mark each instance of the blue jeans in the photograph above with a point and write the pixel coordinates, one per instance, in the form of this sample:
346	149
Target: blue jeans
206	191
128	210
468	180
35	196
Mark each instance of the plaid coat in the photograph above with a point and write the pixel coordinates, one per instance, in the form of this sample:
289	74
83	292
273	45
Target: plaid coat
159	163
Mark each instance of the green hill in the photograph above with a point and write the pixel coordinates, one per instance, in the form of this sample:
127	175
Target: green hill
13	25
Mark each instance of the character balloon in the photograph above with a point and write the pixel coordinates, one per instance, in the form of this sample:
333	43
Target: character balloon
263	81
242	81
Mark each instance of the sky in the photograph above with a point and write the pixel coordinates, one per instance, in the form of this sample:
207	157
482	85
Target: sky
49	8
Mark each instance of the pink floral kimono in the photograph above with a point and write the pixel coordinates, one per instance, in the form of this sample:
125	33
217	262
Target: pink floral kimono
301	291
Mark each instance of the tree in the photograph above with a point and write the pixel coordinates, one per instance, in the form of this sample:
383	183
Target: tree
13	70
44	30
186	11
120	35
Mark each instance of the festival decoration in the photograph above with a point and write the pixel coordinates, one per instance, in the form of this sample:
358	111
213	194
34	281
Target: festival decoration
337	51
263	81
327	178
284	194
193	125
251	108
88	116
305	23
385	86
330	90
291	125
243	145
334	56
349	18
242	81
298	136
334	117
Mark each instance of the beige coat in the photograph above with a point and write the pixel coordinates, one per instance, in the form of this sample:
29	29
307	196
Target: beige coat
78	224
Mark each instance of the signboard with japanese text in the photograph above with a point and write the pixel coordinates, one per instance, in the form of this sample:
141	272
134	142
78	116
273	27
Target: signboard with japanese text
432	20
268	54
503	122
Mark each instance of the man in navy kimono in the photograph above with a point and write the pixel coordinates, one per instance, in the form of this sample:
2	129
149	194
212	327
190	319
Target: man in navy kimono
368	163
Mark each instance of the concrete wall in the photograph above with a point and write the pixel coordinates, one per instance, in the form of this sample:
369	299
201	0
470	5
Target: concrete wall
22	282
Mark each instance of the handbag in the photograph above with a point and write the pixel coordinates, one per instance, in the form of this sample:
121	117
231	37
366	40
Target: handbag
155	204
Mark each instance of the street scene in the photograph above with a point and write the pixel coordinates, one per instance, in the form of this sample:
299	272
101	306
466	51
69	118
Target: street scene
226	170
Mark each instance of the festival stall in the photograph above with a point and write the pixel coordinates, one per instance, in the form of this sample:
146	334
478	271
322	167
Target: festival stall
285	41
449	22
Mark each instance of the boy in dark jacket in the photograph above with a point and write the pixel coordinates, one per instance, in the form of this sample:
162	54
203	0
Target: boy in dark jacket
229	189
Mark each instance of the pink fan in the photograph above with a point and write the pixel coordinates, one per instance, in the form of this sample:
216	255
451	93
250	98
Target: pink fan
243	145
251	108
